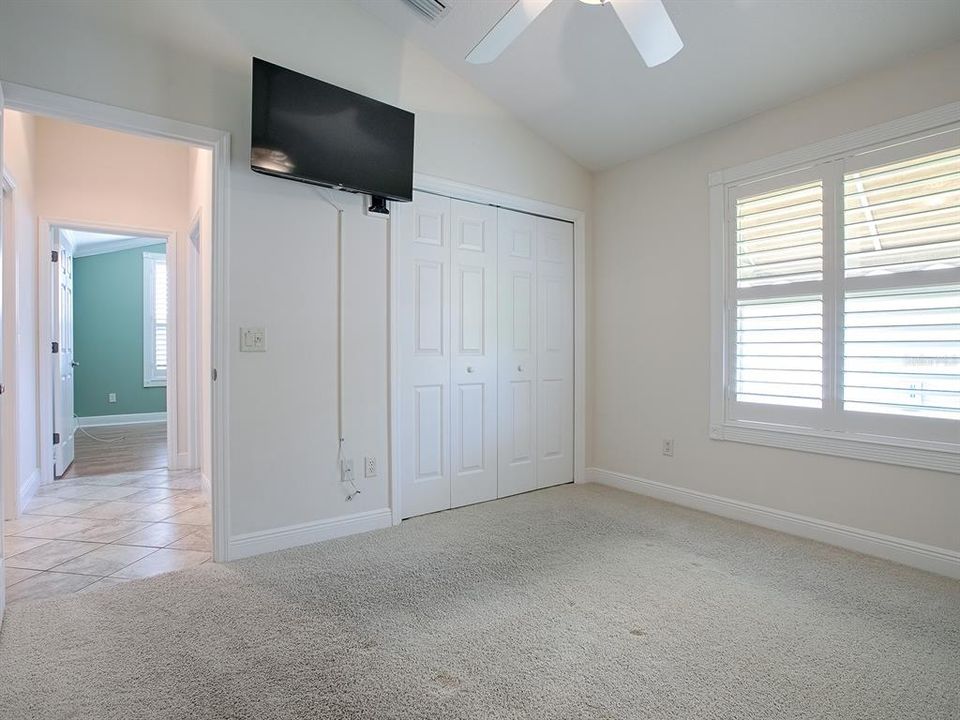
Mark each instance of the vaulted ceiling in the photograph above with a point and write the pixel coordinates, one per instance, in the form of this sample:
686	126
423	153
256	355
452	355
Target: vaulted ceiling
575	78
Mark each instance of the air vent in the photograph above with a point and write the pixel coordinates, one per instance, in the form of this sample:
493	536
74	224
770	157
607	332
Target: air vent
430	10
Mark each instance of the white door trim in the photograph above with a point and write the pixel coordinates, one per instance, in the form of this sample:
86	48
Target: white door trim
486	196
65	107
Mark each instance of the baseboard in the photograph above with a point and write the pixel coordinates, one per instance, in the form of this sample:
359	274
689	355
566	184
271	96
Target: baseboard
925	557
29	489
129	419
264	541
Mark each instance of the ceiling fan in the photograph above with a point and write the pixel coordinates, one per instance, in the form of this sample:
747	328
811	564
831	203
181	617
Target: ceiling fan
646	21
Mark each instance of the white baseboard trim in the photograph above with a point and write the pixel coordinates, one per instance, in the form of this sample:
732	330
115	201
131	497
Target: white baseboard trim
129	419
264	541
926	557
29	489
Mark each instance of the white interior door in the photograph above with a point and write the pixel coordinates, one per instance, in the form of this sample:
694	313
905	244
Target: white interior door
423	287
473	370
517	279
63	420
554	352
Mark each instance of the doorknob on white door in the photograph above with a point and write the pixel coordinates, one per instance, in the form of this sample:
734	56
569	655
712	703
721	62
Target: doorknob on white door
469	368
519	368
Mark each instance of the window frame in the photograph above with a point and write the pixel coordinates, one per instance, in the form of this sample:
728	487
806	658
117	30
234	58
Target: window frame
152	376
829	430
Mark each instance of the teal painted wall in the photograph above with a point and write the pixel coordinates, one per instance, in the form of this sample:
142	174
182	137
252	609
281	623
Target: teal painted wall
108	335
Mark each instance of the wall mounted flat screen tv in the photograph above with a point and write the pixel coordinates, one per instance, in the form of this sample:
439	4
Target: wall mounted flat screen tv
311	131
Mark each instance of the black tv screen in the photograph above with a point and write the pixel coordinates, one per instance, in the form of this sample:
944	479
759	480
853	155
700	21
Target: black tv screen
308	130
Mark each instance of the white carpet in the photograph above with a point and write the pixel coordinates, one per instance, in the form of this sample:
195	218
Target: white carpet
568	603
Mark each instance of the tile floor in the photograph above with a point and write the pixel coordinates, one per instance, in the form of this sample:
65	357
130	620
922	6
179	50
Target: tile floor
88	533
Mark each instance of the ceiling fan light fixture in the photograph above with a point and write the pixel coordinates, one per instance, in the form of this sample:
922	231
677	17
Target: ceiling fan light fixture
646	21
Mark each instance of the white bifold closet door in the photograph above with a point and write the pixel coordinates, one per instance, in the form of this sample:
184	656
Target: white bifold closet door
448	353
536	352
485	353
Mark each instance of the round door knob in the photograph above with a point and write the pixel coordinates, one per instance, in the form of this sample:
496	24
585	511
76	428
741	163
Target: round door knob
469	368
74	363
519	368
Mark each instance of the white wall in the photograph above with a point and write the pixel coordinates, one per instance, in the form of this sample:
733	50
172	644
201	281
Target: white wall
650	322
20	418
191	61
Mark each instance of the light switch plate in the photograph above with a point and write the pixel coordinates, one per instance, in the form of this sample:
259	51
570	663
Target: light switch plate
253	339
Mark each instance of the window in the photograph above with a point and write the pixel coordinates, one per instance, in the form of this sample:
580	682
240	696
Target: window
837	297
154	319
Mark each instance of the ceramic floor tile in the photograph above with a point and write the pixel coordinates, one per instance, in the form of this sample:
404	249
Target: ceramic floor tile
40	502
109	510
15	545
193	516
60	527
156	512
25	522
105	560
152	495
46	556
14	575
66	507
158	534
108	531
107	480
103	584
115	492
163	561
64	492
47	584
200	540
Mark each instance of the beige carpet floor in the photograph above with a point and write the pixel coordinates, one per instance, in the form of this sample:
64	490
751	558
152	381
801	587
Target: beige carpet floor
568	603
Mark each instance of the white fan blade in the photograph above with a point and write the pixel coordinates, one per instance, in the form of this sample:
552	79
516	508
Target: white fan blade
650	29
507	30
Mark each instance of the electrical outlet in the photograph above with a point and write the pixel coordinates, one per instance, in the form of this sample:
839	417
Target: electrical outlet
370	467
668	447
253	339
112	397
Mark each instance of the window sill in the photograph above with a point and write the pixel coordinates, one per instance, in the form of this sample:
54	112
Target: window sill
943	457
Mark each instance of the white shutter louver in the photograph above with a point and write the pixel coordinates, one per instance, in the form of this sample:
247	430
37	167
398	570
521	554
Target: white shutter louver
903	216
902	352
780	352
779	335
780	236
160	315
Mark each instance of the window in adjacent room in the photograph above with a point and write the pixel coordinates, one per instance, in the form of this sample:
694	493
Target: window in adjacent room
154	319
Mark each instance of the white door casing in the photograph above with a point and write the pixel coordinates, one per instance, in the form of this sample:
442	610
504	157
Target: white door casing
473	369
554	352
424	353
63	422
517	278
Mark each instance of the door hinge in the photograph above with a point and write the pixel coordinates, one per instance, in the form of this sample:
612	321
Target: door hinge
213	374
54	256
55	347
2	389
56	438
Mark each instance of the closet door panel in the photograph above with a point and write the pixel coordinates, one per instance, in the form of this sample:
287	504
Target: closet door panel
425	339
473	369
517	279
554	352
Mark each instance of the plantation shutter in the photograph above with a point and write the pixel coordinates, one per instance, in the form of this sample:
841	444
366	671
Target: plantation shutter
779	321
901	339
